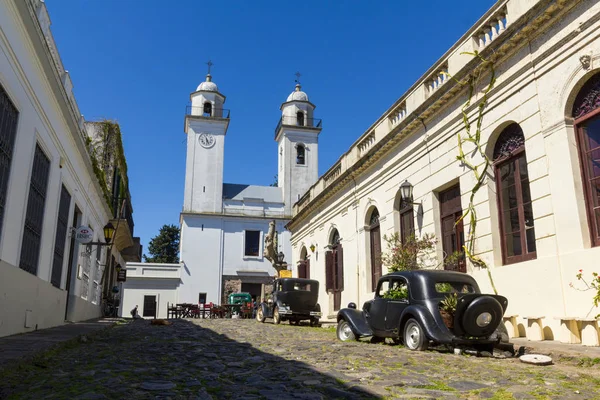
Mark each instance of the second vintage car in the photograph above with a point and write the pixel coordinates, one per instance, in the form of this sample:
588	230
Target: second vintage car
423	306
292	299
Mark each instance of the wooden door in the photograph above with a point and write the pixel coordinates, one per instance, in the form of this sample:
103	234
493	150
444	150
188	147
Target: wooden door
149	306
375	256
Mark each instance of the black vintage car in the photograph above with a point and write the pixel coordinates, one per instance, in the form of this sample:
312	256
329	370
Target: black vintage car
294	300
406	308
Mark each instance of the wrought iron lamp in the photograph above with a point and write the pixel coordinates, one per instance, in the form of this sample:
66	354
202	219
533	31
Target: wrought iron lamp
406	192
109	231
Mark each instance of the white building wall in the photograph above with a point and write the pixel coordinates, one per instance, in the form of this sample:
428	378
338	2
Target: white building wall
24	76
535	87
213	246
151	279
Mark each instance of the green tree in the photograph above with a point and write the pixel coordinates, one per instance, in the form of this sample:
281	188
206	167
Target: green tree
164	247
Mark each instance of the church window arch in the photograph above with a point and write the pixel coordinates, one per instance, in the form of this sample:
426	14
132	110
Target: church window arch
207	111
513	196
300	118
586	113
300	154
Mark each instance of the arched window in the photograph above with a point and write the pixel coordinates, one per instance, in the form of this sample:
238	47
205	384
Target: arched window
375	239
300	154
207	112
586	112
304	264
514	197
300	118
334	269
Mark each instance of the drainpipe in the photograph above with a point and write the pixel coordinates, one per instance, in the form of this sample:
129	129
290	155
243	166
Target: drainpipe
358	304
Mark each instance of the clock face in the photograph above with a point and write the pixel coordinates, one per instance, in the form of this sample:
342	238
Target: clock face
206	140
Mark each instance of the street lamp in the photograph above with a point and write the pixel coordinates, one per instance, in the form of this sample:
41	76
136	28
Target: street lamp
109	231
406	192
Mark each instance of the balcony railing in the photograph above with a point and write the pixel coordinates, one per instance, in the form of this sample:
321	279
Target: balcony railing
123	211
202	112
295	121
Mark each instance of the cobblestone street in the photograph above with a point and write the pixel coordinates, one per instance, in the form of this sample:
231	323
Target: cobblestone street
243	359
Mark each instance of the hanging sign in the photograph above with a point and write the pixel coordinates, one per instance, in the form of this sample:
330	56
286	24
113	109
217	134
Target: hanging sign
284	273
84	234
121	274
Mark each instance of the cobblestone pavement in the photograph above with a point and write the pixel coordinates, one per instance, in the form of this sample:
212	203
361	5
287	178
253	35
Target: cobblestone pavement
243	359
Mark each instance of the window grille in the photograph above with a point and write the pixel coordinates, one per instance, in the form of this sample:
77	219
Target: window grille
8	131
61	236
34	218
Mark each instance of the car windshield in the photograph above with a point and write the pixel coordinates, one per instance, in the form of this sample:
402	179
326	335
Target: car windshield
454	287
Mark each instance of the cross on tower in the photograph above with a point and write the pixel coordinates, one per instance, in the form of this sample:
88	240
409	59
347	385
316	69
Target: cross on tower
298	75
210	64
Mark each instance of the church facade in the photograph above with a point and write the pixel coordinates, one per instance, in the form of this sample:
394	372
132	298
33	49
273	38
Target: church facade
223	225
537	211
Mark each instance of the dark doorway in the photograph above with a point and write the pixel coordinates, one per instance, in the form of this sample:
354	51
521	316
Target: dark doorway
149	306
253	288
72	259
453	237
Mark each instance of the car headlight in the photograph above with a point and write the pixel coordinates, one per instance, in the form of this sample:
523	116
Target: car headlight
483	319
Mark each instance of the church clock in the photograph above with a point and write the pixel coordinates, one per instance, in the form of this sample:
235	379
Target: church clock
206	140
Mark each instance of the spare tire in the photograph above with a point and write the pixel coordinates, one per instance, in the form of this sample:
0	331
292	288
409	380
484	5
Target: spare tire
482	316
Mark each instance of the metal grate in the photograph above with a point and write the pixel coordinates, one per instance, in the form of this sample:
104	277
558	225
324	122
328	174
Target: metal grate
32	234
8	132
61	236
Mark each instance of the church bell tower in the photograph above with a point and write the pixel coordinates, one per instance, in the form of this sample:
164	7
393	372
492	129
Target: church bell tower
297	135
206	124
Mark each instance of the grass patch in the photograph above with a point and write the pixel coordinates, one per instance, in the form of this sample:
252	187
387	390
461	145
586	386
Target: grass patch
437	385
588	362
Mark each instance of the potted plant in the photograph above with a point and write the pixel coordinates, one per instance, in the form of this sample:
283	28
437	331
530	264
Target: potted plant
448	308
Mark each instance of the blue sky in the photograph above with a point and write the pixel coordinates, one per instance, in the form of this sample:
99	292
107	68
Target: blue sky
137	62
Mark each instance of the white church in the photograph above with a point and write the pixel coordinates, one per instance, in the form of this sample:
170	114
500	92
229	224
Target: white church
223	225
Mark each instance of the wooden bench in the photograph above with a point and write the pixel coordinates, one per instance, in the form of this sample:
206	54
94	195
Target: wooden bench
535	330
510	321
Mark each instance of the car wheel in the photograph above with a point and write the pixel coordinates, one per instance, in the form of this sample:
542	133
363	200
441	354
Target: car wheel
414	336
314	322
260	317
276	316
344	331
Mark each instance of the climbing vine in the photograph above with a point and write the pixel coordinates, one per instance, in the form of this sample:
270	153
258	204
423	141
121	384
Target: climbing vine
472	135
106	151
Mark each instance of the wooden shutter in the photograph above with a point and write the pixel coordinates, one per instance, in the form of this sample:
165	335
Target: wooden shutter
329	270
307	269
340	268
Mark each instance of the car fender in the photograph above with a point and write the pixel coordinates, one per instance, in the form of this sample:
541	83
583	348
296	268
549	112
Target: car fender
424	317
267	313
357	321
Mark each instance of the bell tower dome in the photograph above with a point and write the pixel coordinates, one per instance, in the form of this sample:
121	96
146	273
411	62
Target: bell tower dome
297	134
